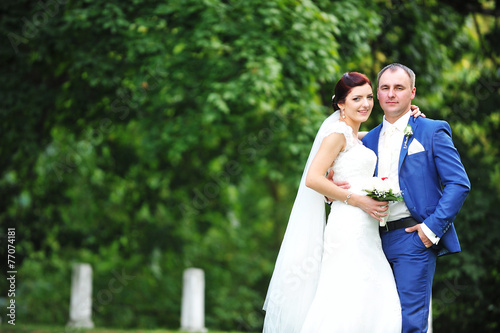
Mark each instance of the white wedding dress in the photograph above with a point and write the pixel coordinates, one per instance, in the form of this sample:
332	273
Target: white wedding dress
356	289
333	277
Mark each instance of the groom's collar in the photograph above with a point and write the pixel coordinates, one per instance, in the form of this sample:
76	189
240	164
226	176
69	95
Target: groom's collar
400	124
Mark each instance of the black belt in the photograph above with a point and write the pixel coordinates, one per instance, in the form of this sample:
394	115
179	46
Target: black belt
398	224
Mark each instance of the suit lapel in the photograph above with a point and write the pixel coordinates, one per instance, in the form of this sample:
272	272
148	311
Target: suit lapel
404	150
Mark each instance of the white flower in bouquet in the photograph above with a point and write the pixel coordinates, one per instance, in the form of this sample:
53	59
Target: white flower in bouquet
382	189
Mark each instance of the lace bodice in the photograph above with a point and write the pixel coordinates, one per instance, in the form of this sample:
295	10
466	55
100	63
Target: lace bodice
356	163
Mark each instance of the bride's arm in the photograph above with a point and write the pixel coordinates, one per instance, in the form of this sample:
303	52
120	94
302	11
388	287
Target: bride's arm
415	112
331	146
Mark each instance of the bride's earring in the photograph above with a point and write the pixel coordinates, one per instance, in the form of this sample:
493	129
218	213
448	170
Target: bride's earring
343	114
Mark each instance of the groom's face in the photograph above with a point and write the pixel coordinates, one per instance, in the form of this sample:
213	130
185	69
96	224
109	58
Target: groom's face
395	93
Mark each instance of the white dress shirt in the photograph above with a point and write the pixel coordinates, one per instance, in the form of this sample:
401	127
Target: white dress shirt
389	148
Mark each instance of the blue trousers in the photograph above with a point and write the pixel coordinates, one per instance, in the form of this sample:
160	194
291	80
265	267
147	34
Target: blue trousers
413	265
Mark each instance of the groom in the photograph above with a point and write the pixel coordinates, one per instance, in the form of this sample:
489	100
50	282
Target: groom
419	154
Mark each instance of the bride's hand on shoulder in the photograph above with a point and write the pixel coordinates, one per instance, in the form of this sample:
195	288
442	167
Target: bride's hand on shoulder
374	208
415	112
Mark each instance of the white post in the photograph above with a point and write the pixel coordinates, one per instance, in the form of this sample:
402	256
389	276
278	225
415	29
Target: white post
430	317
193	301
80	311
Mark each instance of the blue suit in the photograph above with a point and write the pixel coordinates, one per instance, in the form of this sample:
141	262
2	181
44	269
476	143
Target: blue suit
434	185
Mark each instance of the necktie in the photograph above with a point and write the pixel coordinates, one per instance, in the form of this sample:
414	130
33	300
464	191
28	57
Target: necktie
385	154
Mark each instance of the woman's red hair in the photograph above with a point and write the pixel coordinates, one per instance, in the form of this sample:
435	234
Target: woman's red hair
345	84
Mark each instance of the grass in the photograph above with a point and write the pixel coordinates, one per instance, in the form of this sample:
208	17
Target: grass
6	328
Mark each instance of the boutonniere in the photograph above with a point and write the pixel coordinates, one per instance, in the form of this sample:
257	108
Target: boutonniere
408	133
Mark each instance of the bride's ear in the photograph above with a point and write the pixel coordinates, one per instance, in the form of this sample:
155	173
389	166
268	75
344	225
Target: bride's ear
340	106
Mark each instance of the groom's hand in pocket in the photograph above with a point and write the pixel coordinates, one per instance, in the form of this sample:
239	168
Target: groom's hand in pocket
427	242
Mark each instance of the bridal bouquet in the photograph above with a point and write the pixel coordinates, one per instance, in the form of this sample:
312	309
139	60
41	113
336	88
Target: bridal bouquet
382	189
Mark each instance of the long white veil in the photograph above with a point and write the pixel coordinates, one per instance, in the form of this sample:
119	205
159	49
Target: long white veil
295	277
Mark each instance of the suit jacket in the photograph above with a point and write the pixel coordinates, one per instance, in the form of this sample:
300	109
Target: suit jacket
433	180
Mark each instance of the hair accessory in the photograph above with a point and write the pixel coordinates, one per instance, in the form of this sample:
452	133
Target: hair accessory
333	97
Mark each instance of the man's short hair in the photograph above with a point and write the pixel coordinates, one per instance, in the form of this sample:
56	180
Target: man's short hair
394	67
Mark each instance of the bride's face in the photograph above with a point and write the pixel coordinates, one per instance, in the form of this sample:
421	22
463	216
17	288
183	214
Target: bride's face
358	103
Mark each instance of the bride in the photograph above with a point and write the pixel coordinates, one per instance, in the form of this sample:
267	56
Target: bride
335	278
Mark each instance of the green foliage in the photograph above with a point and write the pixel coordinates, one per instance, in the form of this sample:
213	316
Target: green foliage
147	137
